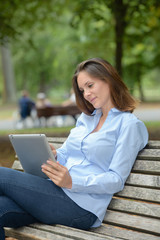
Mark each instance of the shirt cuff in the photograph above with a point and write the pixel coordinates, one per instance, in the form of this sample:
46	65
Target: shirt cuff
78	183
60	159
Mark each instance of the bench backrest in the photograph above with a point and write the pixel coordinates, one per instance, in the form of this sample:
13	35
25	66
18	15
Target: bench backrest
137	207
58	110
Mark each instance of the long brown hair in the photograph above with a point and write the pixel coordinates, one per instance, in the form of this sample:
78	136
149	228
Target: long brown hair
103	70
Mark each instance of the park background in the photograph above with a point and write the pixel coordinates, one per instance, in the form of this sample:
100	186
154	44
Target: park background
43	41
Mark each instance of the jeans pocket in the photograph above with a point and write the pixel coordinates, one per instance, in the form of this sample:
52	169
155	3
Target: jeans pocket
84	222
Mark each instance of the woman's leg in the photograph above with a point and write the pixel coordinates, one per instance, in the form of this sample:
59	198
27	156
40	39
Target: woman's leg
43	200
11	215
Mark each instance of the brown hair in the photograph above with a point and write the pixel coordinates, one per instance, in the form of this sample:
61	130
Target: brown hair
103	70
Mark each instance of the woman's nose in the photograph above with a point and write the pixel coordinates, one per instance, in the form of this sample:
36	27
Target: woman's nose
86	93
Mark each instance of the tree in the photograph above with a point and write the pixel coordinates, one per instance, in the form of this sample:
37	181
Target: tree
140	41
9	85
16	17
66	32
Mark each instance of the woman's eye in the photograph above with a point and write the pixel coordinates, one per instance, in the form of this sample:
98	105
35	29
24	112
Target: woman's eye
90	85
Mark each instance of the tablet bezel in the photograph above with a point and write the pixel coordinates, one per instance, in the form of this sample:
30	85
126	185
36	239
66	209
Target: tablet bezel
32	150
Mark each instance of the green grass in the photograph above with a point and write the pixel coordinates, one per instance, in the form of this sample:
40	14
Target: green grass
60	131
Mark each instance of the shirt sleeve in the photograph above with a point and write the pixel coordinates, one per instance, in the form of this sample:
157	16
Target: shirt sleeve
62	154
132	138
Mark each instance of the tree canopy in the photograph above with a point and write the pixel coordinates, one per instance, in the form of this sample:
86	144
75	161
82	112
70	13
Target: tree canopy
49	38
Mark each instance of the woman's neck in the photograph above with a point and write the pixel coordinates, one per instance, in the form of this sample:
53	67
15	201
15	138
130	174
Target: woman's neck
106	110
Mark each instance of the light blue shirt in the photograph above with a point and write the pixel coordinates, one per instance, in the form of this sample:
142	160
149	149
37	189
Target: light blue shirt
100	162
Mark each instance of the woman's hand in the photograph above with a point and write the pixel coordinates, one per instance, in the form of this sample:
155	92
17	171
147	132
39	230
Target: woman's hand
53	150
57	173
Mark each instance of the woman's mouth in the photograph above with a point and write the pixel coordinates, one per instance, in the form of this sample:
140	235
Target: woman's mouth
92	100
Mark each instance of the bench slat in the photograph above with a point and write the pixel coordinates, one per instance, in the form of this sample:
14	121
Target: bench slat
144	180
136	207
72	232
149	154
106	229
140	166
105	232
140	193
17	165
42	231
134	178
146	166
29	233
153	144
56	139
144	224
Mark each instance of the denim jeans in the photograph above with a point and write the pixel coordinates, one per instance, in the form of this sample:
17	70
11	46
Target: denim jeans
26	199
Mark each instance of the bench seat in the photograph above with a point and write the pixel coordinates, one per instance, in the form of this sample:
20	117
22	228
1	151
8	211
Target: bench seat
134	213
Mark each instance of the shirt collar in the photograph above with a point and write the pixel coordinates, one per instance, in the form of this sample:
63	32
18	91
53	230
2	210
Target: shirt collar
98	110
114	110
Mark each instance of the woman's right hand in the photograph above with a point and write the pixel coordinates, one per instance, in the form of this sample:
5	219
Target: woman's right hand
53	150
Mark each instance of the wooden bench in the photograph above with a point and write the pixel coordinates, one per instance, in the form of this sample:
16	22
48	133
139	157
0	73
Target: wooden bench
133	213
57	110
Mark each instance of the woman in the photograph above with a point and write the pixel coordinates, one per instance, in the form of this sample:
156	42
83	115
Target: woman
92	164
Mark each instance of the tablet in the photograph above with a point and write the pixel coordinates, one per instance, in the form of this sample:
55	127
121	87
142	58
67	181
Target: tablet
32	150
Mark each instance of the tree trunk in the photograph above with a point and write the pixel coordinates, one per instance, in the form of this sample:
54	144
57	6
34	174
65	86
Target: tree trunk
9	91
141	93
119	11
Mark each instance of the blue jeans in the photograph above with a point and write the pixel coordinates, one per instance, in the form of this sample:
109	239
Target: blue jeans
26	199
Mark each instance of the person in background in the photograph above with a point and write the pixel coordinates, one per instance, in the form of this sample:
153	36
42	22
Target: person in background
42	101
42	104
92	164
71	101
26	105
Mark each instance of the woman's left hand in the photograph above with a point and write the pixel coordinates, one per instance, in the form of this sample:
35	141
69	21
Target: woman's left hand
57	173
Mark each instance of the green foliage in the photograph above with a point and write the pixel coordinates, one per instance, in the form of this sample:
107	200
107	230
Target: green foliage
49	38
55	131
17	16
50	56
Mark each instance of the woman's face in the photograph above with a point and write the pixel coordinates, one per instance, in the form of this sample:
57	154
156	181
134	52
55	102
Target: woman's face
95	91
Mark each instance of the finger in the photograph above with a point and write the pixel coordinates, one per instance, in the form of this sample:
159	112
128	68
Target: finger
55	165
50	169
54	178
49	173
54	171
52	147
